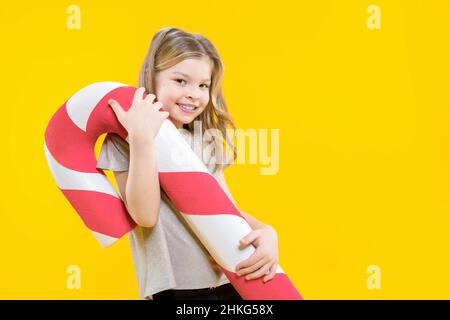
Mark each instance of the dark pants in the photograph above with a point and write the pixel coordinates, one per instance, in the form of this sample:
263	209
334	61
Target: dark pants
223	292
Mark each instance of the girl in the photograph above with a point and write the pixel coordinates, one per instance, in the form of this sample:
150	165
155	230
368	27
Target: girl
182	73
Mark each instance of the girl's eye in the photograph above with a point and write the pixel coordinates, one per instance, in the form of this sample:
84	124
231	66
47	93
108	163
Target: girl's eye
178	80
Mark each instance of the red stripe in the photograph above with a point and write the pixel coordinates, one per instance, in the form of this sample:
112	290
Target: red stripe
68	144
72	147
196	193
101	212
278	288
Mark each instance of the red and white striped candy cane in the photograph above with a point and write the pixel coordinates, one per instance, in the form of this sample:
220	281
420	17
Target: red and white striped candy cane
70	139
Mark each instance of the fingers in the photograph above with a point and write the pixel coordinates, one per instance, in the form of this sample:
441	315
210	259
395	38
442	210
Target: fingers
150	98
158	105
138	95
248	239
252	268
117	108
272	272
138	102
260	272
254	258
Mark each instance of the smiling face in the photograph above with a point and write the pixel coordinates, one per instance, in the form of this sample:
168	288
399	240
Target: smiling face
183	89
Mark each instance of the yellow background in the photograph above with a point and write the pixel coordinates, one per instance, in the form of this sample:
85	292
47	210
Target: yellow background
363	116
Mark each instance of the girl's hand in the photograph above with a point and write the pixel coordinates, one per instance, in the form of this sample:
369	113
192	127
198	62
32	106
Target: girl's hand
143	119
264	261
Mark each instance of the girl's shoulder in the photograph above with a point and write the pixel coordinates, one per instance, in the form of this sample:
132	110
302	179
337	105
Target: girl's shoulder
117	140
114	153
116	145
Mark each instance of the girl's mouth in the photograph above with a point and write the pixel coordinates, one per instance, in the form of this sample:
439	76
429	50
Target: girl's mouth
186	108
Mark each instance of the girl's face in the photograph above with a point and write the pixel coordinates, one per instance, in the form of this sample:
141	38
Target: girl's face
183	89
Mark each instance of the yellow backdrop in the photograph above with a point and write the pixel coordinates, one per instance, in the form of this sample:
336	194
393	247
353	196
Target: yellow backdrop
360	95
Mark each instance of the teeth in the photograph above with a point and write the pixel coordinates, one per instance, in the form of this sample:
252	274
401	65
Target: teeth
186	107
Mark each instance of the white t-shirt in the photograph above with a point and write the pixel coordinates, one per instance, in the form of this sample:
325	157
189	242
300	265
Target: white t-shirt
169	255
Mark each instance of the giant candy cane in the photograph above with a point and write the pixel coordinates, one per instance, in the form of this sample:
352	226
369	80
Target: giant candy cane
70	138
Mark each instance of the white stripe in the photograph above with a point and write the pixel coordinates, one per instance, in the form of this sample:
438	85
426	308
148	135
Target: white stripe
68	179
220	234
80	105
173	152
104	239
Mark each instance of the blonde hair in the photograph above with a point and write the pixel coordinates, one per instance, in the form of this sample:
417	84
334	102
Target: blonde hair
169	47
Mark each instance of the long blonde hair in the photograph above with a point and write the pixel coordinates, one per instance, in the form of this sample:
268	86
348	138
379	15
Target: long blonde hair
169	47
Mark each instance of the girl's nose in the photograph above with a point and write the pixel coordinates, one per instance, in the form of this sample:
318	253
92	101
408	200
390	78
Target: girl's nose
194	93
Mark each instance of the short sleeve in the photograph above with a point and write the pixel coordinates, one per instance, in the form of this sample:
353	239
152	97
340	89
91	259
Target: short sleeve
114	154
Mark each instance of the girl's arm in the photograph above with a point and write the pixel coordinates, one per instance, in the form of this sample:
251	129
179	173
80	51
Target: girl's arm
141	184
139	187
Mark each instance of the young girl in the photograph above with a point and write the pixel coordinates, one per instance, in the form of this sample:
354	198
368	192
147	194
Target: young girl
182	73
